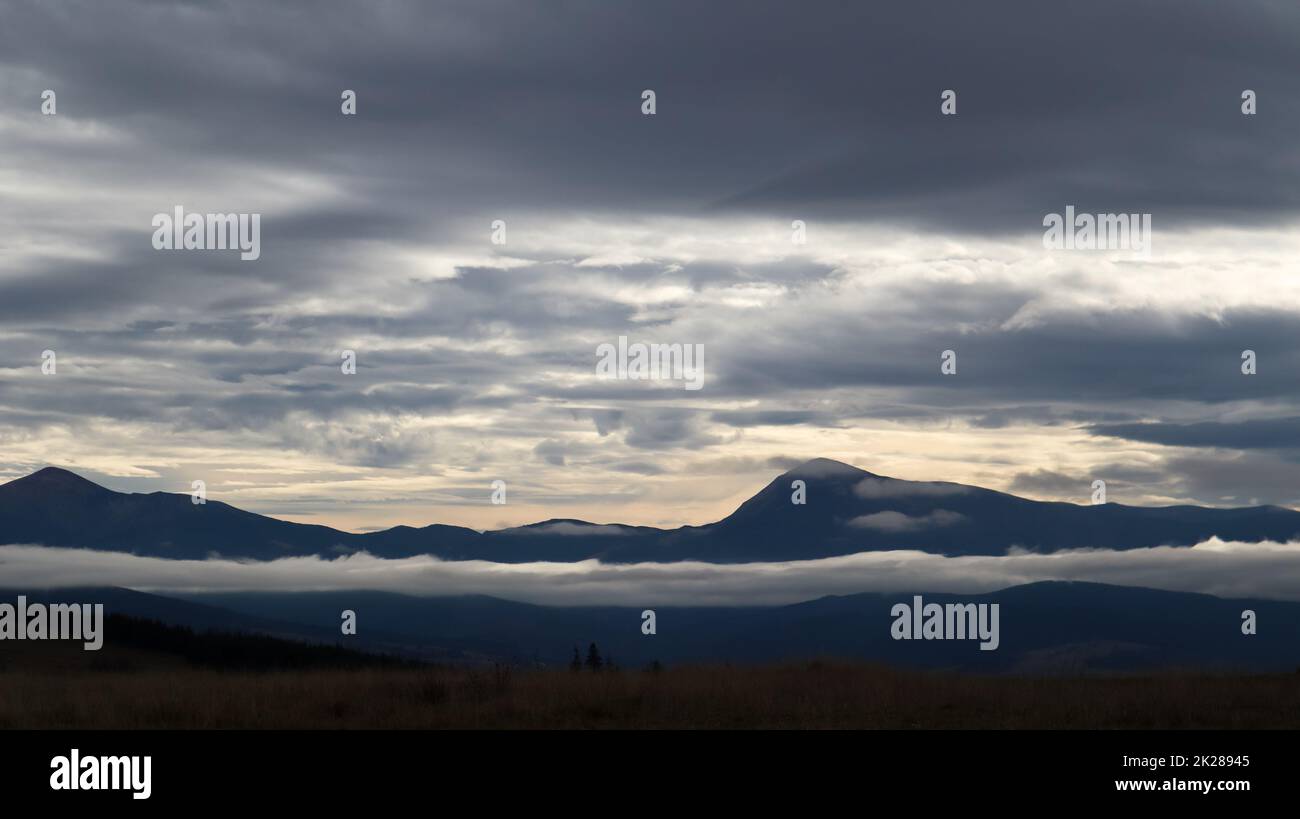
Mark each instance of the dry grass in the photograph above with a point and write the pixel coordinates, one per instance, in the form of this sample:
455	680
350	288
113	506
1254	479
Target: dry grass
814	695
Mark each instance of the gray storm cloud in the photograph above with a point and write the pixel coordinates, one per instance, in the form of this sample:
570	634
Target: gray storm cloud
825	107
1265	570
474	357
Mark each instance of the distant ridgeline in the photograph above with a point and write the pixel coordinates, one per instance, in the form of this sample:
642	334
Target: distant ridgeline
820	509
1038	628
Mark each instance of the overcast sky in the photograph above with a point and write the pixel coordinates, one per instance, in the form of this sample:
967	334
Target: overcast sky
476	361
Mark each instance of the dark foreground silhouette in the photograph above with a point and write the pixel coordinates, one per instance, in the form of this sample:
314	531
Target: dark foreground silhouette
157	676
811	695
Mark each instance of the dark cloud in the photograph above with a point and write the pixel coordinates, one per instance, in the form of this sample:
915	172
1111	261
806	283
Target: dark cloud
1236	478
747	418
1050	482
375	230
823	109
1270	433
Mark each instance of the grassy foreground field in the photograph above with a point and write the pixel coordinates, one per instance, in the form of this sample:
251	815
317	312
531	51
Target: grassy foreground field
813	695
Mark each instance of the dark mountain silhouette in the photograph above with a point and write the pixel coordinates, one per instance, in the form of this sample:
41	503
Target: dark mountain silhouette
200	616
847	510
851	510
55	507
1048	627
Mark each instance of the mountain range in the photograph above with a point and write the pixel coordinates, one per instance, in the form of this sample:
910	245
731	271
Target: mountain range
846	510
1050	627
1046	627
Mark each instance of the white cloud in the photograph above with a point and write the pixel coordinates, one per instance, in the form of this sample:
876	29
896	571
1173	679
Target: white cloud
1226	569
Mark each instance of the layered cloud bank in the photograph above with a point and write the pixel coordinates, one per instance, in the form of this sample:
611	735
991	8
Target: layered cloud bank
476	361
1261	570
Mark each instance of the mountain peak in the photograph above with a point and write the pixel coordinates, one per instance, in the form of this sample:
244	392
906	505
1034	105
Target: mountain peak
568	526
827	468
55	479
